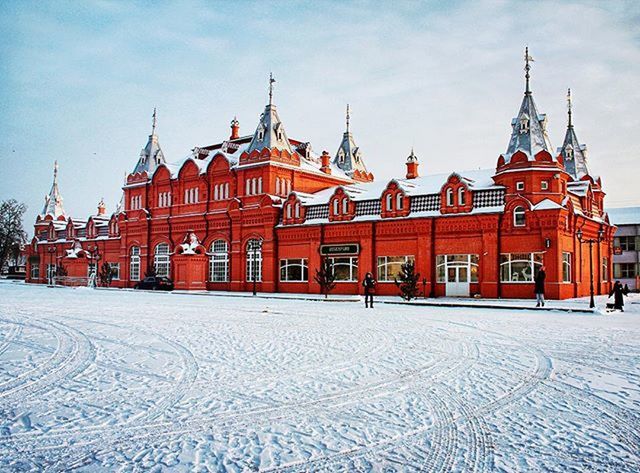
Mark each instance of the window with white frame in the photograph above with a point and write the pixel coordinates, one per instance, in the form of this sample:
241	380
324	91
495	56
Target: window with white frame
216	192
294	270
345	205
288	210
297	212
544	185
566	267
219	261
390	267
446	262
191	195
247	187
254	186
520	185
226	190
449	197
605	269
519	217
399	201
259	185
35	271
134	263
161	260
461	196
345	268
277	186
336	205
388	202
254	260
519	267
136	202
624	270
115	271
52	270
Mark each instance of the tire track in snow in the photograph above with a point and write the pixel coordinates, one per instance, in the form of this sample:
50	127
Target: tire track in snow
14	334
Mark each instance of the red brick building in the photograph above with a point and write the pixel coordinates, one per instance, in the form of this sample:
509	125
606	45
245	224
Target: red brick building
268	206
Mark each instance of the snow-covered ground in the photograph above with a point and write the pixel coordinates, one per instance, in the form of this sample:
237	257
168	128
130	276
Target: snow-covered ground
118	380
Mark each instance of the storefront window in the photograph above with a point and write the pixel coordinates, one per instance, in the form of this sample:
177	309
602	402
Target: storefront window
390	267
294	270
445	262
519	267
345	269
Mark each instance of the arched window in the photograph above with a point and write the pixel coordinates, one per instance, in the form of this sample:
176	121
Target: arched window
388	202
519	218
288	210
297	209
345	205
335	206
254	260
254	186
219	262
449	197
277	186
288	187
461	196
226	190
161	260
259	185
216	194
134	263
247	187
399	201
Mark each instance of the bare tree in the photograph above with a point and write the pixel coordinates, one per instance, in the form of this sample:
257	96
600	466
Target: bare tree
12	233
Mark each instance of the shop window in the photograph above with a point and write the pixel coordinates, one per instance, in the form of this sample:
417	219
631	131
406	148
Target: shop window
445	262
519	267
390	267
345	269
294	270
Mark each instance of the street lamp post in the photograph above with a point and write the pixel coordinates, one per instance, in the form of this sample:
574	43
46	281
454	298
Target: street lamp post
591	241
94	255
51	250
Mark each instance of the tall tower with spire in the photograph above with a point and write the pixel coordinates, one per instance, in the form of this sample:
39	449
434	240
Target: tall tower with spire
349	156
529	128
53	201
573	153
151	155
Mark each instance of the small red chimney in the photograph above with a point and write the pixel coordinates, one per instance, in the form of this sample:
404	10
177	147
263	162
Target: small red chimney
101	207
412	166
235	129
325	159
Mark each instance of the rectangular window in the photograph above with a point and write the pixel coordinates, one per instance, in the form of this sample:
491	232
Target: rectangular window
294	270
390	267
134	268
627	243
115	271
519	267
254	266
605	269
566	267
162	265
544	185
624	270
468	263
35	271
219	269
345	269
520	185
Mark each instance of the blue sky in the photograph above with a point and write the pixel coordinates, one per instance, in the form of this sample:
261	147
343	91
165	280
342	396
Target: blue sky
79	80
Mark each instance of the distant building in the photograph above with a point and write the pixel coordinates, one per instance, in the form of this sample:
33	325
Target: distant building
264	210
626	246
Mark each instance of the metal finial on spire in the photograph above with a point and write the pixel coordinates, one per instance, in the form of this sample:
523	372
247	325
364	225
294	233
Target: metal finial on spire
271	81
154	122
348	117
569	107
527	68
55	171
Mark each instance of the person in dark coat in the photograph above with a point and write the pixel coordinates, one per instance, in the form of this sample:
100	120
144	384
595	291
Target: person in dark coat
539	289
618	296
626	290
369	285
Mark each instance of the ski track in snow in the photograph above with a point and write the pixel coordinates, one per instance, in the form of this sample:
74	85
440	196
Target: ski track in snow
111	380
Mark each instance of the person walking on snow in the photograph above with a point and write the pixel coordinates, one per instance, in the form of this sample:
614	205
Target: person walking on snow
618	296
369	285
539	289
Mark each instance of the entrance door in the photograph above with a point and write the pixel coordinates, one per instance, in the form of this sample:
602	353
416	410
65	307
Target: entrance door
457	281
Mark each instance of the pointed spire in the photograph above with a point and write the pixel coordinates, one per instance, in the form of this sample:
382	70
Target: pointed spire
569	107
151	155
573	153
348	117
349	157
53	201
527	68
271	82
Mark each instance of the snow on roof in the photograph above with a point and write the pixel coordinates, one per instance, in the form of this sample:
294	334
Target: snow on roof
547	204
578	188
478	179
624	215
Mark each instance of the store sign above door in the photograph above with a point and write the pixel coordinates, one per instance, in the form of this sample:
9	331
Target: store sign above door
348	249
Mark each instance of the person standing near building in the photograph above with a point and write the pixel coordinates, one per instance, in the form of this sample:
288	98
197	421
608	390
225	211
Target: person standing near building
539	289
369	285
618	296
